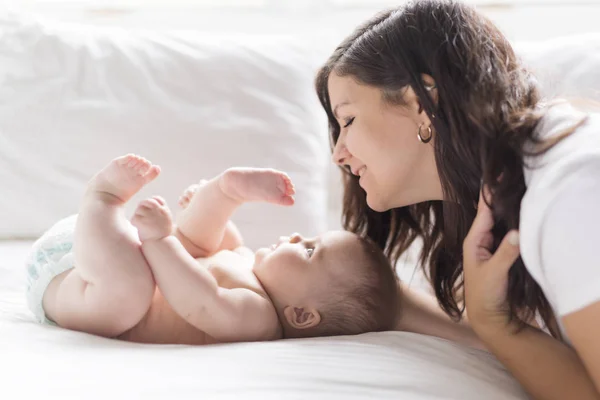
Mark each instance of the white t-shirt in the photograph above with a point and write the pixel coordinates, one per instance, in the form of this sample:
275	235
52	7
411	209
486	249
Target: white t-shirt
560	212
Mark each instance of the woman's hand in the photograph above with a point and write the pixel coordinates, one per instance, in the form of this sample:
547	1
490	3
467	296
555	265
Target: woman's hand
547	368
486	274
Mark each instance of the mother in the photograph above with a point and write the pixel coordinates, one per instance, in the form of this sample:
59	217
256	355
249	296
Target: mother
427	103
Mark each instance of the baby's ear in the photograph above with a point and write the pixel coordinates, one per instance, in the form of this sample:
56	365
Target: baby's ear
302	317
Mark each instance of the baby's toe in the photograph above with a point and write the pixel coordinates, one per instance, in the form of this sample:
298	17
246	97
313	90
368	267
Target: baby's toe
126	159
290	189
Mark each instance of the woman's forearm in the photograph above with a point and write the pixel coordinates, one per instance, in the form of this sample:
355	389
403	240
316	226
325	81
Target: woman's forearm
420	313
545	367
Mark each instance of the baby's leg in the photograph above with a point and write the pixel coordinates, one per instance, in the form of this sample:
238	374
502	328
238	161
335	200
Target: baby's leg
111	287
204	222
232	238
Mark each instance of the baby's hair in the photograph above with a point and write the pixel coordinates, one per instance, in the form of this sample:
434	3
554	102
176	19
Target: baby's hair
365	302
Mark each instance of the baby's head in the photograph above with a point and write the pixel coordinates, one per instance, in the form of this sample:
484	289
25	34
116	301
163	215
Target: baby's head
334	284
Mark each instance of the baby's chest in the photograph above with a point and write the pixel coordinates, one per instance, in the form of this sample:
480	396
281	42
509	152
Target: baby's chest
232	270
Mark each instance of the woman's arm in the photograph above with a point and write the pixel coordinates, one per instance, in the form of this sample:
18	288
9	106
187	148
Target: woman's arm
547	368
420	313
583	328
571	265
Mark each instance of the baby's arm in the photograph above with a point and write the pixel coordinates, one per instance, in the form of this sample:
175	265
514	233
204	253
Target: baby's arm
228	315
203	227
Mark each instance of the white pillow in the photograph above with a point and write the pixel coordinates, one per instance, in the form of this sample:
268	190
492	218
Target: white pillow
565	67
74	97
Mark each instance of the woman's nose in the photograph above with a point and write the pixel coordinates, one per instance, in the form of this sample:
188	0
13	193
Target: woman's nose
340	154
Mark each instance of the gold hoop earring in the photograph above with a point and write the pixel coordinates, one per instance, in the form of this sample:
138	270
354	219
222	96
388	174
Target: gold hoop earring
427	139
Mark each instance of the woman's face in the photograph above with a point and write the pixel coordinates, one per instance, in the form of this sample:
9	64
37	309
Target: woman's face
378	141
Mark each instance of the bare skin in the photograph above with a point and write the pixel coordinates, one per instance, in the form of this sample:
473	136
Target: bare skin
112	292
96	296
208	294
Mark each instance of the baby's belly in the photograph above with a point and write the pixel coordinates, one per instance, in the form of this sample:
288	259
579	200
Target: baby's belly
162	325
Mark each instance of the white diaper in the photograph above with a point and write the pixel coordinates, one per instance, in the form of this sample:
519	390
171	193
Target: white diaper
50	256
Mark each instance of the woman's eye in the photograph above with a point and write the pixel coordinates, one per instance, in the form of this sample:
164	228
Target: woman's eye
310	251
348	122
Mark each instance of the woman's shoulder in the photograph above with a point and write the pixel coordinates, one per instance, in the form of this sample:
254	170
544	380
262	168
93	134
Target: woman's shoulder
579	123
560	113
570	164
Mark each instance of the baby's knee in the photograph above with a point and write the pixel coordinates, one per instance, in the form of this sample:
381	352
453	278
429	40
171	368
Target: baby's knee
135	294
126	303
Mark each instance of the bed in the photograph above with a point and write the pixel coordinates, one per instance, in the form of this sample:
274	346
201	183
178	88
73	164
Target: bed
53	363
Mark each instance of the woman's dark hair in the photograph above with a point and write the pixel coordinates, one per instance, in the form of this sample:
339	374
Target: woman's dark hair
485	114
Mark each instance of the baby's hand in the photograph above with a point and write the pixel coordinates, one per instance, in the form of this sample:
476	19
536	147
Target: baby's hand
189	192
153	219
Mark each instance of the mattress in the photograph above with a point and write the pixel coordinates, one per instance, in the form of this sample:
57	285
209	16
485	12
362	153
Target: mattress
53	363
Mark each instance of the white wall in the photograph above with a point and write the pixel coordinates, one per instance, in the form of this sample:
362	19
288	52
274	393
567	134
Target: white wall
520	21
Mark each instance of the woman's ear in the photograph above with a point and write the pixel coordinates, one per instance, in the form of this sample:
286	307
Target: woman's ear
302	317
431	88
428	82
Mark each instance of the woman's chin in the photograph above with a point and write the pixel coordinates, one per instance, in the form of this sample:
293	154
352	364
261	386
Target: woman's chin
376	204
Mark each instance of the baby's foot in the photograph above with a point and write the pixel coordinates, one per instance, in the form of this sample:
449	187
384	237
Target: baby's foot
153	220
124	177
186	197
258	184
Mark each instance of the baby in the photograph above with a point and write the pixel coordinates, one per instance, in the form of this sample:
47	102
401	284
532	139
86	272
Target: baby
194	282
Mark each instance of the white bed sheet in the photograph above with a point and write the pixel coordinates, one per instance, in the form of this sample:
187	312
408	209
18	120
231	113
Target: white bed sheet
53	363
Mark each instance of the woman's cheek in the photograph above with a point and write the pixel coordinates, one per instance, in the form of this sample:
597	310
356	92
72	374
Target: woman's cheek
353	139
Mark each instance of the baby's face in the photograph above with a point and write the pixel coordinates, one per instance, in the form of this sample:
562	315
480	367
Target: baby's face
298	271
